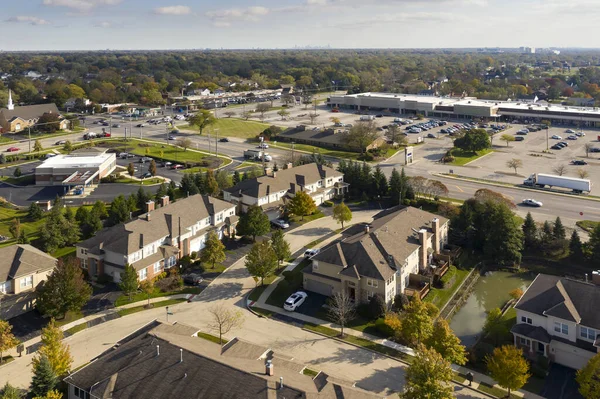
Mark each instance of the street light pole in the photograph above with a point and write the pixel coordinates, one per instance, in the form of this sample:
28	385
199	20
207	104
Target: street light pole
217	142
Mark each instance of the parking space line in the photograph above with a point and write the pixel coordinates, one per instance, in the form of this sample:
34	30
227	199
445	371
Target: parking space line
460	189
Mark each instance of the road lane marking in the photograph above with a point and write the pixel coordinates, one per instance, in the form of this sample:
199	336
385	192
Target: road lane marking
460	189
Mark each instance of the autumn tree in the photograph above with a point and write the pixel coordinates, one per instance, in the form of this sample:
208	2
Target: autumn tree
184	143
514	163
202	119
152	168
147	287
280	246
262	109
508	138
588	379
428	376
341	309
302	205
213	251
54	349
130	169
516	294
508	367
342	214
417	325
261	261
224	320
65	290
37	146
494	326
446	343
15	228
7	338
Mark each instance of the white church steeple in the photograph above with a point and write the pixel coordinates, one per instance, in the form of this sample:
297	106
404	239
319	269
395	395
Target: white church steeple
10	105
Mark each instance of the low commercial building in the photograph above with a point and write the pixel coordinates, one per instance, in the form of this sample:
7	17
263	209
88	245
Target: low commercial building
467	108
558	318
381	258
271	192
161	361
156	240
82	167
22	269
326	138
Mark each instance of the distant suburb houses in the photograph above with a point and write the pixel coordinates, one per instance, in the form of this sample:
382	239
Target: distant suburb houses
158	238
387	257
271	192
22	269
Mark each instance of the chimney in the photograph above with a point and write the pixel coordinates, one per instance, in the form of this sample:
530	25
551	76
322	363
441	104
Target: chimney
157	350
180	355
596	277
269	368
280	382
149	206
290	165
423	250
269	172
367	229
164	201
435	227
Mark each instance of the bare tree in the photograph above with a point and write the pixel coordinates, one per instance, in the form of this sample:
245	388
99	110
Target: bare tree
288	99
229	113
341	309
560	169
360	136
582	173
312	117
514	163
262	108
418	184
246	115
588	147
283	113
436	188
184	143
394	135
224	320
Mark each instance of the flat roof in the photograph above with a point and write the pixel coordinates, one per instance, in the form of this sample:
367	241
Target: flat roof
73	161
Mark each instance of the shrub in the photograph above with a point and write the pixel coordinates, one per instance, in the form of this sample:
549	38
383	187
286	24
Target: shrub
363	311
168	284
328	204
384	328
377	307
367	157
160	276
105	279
400	301
194	255
185	261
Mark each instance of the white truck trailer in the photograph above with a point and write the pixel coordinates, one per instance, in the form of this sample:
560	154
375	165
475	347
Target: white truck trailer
257	155
542	180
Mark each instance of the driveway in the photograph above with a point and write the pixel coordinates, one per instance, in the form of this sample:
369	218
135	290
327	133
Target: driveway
560	384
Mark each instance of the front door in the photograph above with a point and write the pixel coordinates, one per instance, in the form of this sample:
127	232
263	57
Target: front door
540	347
352	294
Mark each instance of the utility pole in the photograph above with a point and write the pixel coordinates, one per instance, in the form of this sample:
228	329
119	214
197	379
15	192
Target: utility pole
29	132
293	153
217	142
547	144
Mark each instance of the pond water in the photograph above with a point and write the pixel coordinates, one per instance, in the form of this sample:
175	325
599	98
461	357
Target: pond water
490	291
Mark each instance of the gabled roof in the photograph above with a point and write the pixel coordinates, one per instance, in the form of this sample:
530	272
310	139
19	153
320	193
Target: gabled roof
378	253
291	179
29	111
566	299
129	237
23	259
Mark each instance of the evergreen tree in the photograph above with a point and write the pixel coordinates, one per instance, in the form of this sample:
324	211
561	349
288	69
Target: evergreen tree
223	179
10	392
547	232
302	205
396	190
142	197
70	227
379	183
559	232
15	228
171	191
34	212
575	247
253	223
44	379
212	187
530	233
236	177
594	247
161	192
132	203
100	209
129	280
280	246
23	239
261	261
200	181
188	185
119	210
213	251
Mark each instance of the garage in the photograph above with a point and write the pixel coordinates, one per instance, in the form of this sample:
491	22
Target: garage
318	287
197	244
570	356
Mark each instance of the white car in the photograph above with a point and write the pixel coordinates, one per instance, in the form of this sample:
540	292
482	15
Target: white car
263	145
569	131
556	137
580	134
295	300
280	223
532	202
309	253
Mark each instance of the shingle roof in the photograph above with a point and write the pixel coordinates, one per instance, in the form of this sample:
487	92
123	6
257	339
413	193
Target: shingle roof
391	239
563	298
166	221
29	111
529	331
133	369
23	259
284	180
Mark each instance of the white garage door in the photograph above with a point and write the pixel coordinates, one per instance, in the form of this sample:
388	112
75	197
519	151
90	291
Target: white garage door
318	287
573	358
197	244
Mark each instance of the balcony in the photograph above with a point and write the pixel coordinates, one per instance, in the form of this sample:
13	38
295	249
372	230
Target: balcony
418	285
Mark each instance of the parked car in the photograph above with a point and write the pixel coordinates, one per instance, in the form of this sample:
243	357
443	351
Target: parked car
171	138
569	131
12	149
578	162
594	149
532	202
556	137
263	146
146	175
556	147
145	159
280	223
224	140
431	135
309	253
519	138
177	166
116	125
61	142
295	300
140	125
580	134
167	164
572	137
192	278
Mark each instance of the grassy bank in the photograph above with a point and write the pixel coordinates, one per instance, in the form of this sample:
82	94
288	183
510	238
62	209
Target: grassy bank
440	296
318	150
232	127
125	312
141	296
464	157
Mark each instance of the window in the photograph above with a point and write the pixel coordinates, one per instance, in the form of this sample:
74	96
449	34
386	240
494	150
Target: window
372	283
142	274
157	268
406	281
170	261
4	287
26	281
526	320
370	294
561	328
84	263
80	393
524	341
135	256
588	333
220	217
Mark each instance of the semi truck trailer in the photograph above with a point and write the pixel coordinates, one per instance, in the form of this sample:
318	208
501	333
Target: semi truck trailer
542	180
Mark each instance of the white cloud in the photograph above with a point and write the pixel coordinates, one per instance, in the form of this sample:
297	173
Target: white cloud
80	5
103	24
173	10
28	19
224	18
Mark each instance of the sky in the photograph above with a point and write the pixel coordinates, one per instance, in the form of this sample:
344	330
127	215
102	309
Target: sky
197	24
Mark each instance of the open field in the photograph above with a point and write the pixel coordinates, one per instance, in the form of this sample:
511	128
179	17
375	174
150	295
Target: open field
232	127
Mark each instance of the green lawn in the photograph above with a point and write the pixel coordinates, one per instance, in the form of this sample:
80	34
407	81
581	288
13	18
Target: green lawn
464	157
497	392
6	140
311	149
8	214
125	312
298	219
169	152
76	329
232	127
211	338
144	182
439	297
19	181
140	296
69	317
587	225
62	252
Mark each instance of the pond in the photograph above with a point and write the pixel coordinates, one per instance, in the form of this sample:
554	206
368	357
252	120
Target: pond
490	291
